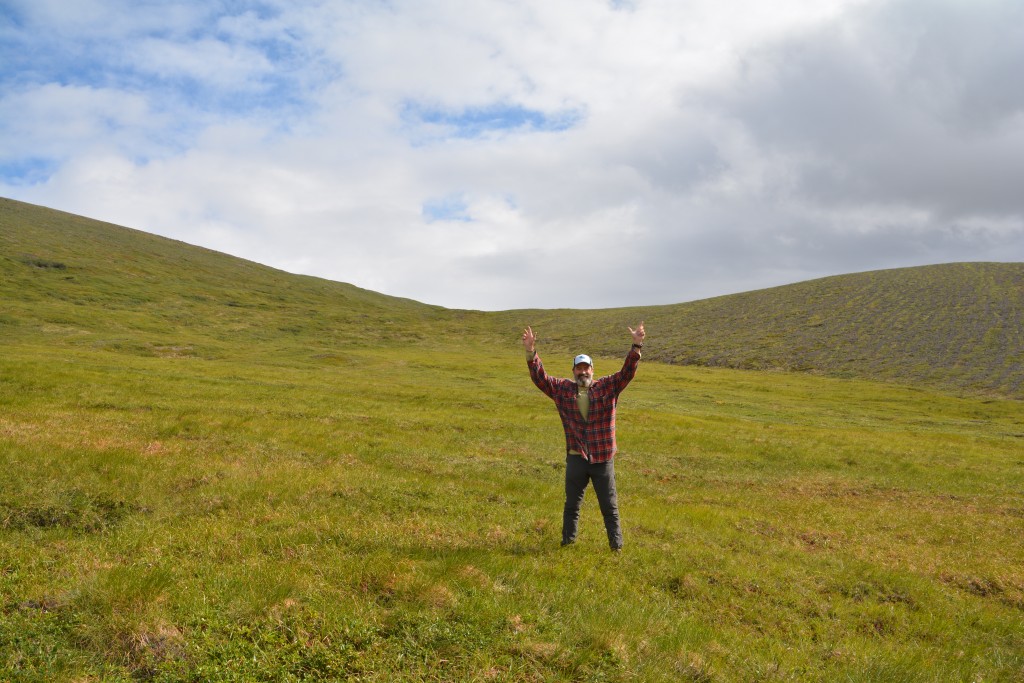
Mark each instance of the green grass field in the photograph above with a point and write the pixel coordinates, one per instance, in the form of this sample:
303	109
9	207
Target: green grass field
213	471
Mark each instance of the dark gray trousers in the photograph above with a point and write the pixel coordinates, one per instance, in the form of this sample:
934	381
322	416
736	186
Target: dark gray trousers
578	473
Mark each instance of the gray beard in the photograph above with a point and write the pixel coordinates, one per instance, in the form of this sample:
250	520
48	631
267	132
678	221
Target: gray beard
584	382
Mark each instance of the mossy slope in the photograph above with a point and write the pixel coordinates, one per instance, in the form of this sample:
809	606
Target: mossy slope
955	326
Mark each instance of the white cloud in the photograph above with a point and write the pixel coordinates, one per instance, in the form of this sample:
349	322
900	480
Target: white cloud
59	121
87	20
212	62
597	154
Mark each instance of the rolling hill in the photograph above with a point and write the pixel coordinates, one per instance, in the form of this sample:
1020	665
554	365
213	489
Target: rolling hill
958	326
211	470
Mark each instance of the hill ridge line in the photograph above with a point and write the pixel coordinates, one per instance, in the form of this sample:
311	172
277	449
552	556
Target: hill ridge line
955	326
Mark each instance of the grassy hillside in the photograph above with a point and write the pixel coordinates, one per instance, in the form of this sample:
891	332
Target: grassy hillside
85	283
957	326
213	471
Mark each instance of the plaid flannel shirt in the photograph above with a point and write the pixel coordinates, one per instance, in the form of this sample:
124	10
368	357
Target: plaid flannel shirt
594	437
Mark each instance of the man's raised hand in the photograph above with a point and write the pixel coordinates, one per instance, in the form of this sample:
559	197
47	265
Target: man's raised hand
638	333
529	340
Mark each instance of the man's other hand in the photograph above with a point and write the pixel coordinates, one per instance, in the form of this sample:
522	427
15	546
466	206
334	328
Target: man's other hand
530	340
638	333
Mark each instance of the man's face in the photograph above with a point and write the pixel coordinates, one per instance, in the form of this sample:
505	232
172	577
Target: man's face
584	374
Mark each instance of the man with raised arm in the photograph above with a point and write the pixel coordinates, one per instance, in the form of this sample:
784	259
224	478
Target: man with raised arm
587	409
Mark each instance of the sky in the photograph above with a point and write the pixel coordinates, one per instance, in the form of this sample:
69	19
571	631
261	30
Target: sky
507	154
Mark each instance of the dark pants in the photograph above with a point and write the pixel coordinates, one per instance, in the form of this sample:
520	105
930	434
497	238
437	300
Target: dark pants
578	472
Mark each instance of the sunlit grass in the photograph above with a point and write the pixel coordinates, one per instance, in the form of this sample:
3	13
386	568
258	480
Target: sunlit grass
213	471
395	516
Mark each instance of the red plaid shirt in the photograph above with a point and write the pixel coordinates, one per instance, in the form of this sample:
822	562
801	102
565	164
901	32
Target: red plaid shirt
595	436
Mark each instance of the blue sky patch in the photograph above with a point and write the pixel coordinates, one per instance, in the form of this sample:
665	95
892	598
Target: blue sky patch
452	207
30	171
473	122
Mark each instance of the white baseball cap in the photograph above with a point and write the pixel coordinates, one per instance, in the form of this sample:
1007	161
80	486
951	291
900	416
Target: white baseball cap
582	358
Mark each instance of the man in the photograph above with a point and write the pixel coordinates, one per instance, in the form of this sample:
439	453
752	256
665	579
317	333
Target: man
587	409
